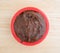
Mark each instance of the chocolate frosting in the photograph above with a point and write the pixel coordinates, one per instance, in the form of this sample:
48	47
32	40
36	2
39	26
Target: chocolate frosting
29	26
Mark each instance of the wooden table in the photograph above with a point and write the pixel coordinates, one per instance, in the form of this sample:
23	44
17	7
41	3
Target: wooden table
52	42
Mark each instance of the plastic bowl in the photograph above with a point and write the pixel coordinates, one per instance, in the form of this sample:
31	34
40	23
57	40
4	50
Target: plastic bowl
19	12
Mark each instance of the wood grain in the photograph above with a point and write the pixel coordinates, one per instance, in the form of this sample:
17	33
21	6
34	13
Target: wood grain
52	42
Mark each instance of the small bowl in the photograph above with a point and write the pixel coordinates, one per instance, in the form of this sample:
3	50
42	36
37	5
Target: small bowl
19	12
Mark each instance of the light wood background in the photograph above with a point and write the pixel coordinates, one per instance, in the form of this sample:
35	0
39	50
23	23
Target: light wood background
52	42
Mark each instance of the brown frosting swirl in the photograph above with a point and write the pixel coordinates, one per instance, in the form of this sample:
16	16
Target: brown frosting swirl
29	26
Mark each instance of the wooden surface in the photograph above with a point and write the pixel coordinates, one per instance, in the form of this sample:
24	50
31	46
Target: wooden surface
52	42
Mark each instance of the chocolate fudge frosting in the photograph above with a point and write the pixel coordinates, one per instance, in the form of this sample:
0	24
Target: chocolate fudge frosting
29	26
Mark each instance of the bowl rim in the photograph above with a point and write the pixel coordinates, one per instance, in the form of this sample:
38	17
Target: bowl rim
19	12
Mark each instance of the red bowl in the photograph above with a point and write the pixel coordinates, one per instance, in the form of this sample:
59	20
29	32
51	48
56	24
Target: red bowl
19	12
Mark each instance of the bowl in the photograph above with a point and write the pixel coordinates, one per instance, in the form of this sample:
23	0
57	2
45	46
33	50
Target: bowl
44	17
